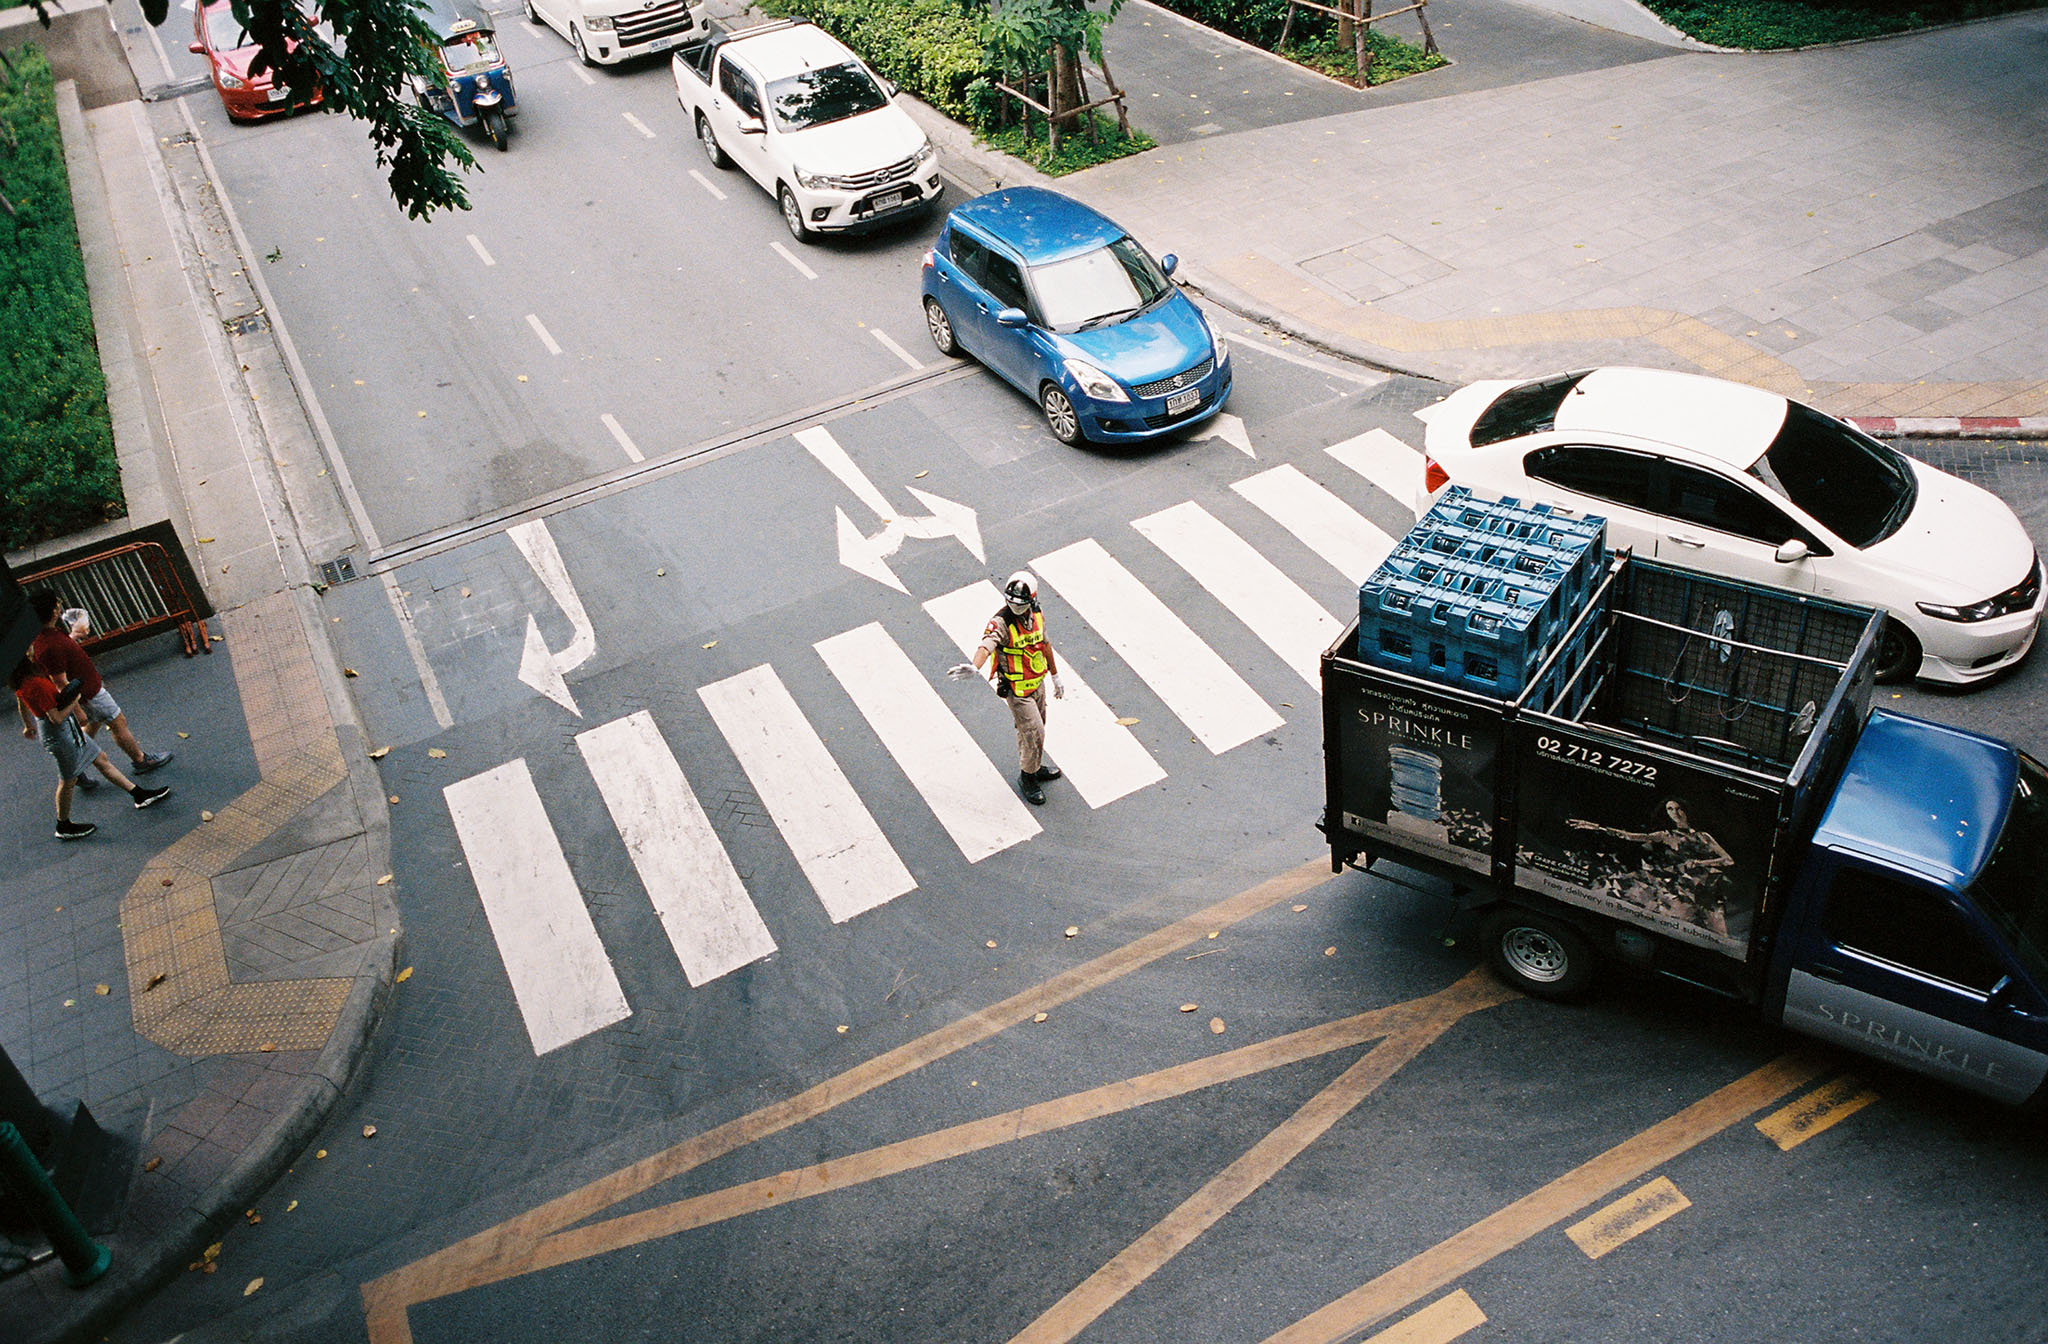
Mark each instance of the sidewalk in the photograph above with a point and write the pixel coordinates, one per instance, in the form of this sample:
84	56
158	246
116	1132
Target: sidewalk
1863	226
204	975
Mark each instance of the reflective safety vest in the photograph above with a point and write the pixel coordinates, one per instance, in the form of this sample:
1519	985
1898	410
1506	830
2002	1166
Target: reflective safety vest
1020	659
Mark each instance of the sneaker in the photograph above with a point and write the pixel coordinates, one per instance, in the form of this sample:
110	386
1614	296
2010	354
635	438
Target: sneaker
74	830
155	760
86	783
144	797
1047	773
1028	786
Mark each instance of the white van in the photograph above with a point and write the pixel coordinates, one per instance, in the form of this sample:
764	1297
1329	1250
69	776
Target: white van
605	32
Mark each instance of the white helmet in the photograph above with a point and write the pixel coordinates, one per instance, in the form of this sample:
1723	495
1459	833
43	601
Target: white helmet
1021	591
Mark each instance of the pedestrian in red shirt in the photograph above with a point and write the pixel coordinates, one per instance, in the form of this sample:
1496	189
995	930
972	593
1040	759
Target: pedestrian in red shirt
57	653
59	715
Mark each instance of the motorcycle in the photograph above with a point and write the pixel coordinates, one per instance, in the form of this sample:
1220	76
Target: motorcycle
472	84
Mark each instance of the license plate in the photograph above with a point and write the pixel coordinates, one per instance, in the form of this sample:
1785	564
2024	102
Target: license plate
888	202
662	43
1182	401
279	95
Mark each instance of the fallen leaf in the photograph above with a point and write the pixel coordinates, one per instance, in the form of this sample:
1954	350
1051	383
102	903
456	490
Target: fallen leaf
393	800
712	645
384	881
293	1205
522	377
322	1153
1299	908
348	671
205	815
422	414
211	1253
991	942
254	1284
661	573
267	1048
1214	932
1038	1017
73	1003
402	976
922	474
188	734
465	592
1329	951
152	1164
100	990
253	1216
208	1267
843	1028
154	981
1215	1026
204	540
436	754
380	753
1125	723
1189	1007
1072	929
1287	704
369	1131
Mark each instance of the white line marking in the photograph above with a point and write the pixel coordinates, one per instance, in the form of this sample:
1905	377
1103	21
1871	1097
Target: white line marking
542	332
478	244
1290	622
1213	701
912	360
429	682
707	184
1102	757
794	260
1385	461
836	842
703	905
536	29
638	124
1323	523
560	974
631	450
964	791
583	74
1265	347
821	444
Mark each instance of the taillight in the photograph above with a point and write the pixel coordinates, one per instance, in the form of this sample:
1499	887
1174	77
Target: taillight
1434	477
927	259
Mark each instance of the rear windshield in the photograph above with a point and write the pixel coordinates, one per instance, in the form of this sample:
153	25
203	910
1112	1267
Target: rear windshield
1853	485
1528	409
818	96
2010	890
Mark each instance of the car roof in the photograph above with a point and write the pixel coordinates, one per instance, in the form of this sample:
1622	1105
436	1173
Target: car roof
783	52
1723	421
1040	225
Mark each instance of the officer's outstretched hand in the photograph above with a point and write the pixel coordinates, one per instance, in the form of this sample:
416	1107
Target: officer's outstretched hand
1059	692
960	671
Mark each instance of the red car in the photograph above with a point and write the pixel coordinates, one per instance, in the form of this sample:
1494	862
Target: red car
229	49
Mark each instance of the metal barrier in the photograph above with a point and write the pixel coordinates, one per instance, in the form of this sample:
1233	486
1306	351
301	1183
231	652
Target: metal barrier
130	591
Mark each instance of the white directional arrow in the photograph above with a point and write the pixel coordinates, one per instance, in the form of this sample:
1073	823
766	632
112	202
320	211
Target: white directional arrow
1231	430
539	668
869	555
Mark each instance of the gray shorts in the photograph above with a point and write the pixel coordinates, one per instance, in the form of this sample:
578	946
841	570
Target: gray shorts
101	708
66	741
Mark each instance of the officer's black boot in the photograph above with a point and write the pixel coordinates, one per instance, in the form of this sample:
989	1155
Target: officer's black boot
1047	772
1028	786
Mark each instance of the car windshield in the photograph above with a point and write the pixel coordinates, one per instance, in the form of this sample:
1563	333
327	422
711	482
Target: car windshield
1528	409
224	32
2011	892
1099	286
818	96
1849	482
469	52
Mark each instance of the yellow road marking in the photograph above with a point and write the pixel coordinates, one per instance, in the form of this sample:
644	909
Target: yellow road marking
1142	1258
1438	1323
1436	1268
1632	1215
500	1251
1817	1110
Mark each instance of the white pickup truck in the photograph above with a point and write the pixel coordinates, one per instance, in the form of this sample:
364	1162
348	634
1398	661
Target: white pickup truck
605	32
805	118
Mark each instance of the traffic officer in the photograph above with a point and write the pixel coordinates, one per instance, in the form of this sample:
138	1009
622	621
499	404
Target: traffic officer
1022	662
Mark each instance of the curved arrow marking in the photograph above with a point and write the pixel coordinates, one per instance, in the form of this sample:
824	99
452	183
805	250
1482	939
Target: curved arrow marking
868	555
539	668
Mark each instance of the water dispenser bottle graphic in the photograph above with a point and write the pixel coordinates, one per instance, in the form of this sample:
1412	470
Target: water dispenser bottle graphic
1415	793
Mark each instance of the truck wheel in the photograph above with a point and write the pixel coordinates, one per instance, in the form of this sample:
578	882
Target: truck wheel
709	139
1898	653
1543	957
793	216
941	328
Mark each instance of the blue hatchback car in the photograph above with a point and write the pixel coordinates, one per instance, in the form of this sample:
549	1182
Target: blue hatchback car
1070	309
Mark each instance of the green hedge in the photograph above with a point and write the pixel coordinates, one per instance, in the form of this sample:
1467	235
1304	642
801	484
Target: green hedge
57	467
932	48
1762	25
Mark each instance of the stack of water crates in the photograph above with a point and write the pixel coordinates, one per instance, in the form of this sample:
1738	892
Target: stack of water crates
1480	593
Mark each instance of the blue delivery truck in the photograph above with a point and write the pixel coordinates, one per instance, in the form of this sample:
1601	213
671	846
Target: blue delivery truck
1690	779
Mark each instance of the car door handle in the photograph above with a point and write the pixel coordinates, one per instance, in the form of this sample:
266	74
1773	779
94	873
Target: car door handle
1831	974
1694	542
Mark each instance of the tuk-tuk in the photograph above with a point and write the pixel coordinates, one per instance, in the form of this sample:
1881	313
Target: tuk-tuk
470	85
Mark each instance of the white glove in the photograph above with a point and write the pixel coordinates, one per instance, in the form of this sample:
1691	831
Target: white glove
1059	692
960	671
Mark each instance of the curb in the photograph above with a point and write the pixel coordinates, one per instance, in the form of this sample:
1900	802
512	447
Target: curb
1952	426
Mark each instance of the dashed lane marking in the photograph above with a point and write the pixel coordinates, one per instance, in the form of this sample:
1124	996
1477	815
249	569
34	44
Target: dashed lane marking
794	260
583	74
478	245
638	125
1820	1109
1630	1216
632	449
912	360
707	184
542	332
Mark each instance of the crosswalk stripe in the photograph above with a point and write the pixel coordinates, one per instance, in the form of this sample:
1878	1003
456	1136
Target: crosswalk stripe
848	860
703	905
1321	521
964	791
1290	622
1101	757
1385	461
560	975
1213	701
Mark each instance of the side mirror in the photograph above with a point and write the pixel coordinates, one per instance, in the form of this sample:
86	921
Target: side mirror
889	89
197	49
753	126
1792	552
1012	317
1169	263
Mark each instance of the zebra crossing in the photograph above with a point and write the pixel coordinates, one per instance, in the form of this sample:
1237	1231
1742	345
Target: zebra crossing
555	960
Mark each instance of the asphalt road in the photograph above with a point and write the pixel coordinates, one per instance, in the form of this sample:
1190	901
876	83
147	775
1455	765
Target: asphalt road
1128	1168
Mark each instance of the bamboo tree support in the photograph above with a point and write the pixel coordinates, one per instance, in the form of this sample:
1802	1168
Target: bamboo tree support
1361	17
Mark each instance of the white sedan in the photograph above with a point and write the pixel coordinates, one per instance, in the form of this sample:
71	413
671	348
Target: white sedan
1730	479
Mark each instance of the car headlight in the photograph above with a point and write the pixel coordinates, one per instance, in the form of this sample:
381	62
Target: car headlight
925	153
598	23
1222	349
1094	382
228	81
809	181
1976	611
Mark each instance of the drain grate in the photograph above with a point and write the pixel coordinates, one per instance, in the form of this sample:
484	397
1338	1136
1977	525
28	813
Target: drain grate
247	325
339	570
